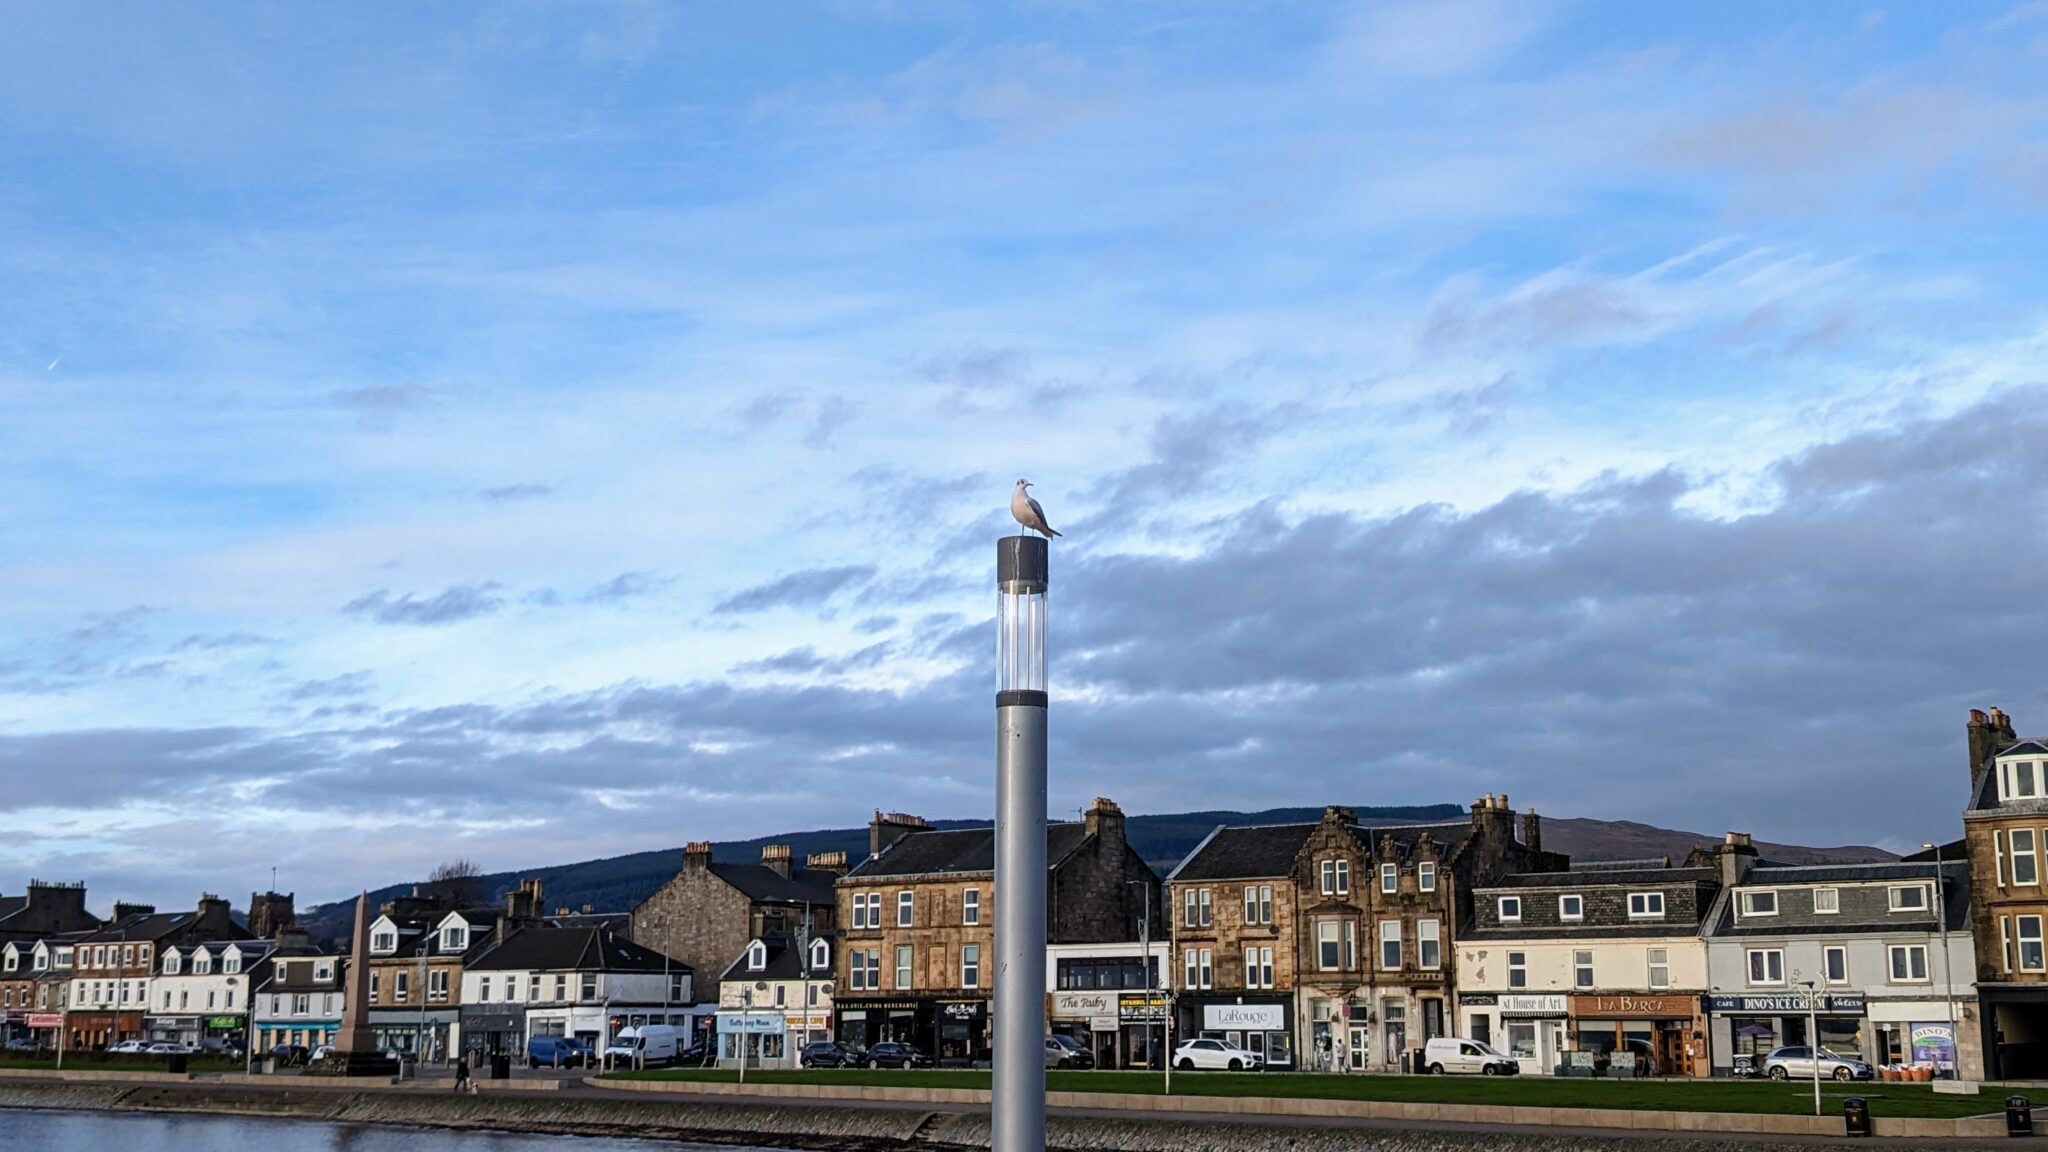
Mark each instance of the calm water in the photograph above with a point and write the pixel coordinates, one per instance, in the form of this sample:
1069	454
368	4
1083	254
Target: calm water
34	1131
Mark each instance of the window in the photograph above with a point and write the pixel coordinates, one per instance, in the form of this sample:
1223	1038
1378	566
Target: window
455	938
1258	967
202	963
1909	898
533	988
1660	967
1425	876
970	966
1909	963
384	941
2023	861
781	995
1827	901
1390	877
821	954
484	994
1571	907
324	970
1998	854
1766	965
437	984
2016	781
401	985
1350	944
1582	969
1763	903
1195	912
1511	908
171	962
1191	974
302	1004
373	982
232	964
1834	963
1258	904
757	956
1343	877
1390	945
2005	940
1327	956
1429	952
871	963
561	986
678	987
1646	905
906	902
1518	969
970	907
586	986
903	965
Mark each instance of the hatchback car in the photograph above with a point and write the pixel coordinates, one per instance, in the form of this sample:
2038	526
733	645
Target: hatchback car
1067	1052
167	1048
829	1054
1213	1055
893	1055
130	1047
1797	1063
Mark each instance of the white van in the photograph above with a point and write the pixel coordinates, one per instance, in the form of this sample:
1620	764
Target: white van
1457	1054
643	1046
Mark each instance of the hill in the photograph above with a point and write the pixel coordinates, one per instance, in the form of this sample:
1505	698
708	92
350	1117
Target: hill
616	883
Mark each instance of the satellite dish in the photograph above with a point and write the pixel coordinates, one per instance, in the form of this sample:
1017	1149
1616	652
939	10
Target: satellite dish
760	985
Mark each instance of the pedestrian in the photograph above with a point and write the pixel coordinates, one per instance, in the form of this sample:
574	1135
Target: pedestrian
462	1074
1342	1064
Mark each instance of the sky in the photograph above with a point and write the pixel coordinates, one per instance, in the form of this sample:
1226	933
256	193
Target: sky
541	431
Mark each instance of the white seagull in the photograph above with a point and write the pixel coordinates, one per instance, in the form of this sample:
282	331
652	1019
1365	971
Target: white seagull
1027	511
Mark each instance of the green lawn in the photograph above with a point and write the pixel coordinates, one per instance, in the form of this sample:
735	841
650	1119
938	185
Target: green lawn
1534	1091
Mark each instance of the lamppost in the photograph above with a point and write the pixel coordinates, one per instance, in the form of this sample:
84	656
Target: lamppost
1022	575
1812	1037
746	1015
1145	962
1948	988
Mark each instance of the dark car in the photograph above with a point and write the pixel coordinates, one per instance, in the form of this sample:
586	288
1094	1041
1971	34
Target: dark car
702	1054
20	1045
830	1054
893	1055
290	1055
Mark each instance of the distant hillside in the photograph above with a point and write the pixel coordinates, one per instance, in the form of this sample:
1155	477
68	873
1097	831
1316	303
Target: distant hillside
617	883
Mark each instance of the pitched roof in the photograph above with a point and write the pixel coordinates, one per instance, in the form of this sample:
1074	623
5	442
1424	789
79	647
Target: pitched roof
10	905
2032	746
1259	850
1617	877
140	926
762	883
1955	900
960	850
786	961
577	949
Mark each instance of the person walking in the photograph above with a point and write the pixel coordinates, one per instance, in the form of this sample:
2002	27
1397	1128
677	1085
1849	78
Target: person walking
461	1074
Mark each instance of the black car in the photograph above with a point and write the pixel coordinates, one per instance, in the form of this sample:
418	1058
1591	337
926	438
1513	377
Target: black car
893	1055
702	1054
830	1054
290	1055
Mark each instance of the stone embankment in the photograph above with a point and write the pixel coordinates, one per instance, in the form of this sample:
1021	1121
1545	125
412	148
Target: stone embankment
873	1122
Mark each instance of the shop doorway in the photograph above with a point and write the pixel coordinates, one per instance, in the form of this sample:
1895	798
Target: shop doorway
1361	1047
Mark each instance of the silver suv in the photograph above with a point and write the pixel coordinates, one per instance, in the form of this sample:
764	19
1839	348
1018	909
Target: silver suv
1797	1064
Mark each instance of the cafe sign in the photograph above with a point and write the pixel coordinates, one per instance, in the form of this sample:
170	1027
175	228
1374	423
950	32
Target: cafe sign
1782	1004
1098	1008
1652	1007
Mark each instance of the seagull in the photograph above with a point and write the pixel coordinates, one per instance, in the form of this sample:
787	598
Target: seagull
1027	511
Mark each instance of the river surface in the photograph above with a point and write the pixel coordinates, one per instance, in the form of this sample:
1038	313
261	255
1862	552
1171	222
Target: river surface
34	1131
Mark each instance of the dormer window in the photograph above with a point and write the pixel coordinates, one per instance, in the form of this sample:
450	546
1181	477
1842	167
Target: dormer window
1646	905
455	938
202	963
1570	907
280	973
1909	897
1763	903
323	971
821	955
757	956
2019	780
13	960
171	963
383	942
1510	909
231	963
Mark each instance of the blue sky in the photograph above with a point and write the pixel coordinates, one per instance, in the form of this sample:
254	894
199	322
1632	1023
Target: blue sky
556	430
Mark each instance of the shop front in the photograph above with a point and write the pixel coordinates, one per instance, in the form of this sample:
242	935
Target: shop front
963	1031
43	1028
758	1038
1746	1028
1141	1038
1915	1032
1534	1030
181	1029
1089	1018
862	1024
1640	1035
308	1034
429	1034
1262	1025
493	1030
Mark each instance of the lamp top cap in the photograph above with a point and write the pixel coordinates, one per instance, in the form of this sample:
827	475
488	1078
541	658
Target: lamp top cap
1023	560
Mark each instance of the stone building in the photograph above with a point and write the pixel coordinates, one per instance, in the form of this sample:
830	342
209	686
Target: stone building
1328	943
2005	834
918	923
112	966
1602	964
45	909
785	976
709	911
418	948
271	913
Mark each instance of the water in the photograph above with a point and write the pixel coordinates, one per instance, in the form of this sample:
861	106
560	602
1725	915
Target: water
34	1131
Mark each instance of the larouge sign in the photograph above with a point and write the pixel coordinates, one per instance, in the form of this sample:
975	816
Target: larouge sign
1244	1017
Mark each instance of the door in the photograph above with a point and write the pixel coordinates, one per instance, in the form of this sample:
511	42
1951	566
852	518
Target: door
1671	1058
1360	1047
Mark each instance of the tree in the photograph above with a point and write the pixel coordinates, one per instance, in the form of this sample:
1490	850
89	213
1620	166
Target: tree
459	883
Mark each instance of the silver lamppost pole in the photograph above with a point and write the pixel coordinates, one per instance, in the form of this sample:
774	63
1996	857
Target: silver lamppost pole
1145	961
1022	564
1948	988
1813	1037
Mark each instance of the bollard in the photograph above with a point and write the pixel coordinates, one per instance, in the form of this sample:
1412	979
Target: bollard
2019	1116
1856	1116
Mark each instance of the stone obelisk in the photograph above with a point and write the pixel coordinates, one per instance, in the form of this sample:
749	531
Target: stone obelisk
355	1047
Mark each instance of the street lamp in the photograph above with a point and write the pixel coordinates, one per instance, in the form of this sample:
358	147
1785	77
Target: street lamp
1948	987
1812	1037
746	1013
1145	962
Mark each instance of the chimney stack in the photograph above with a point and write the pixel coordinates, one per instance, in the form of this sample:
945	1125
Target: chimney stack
213	914
833	862
1987	735
889	827
775	858
697	856
1339	815
1734	856
1532	831
524	902
1104	820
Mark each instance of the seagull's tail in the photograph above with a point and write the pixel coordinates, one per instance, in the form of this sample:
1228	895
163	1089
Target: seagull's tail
1049	530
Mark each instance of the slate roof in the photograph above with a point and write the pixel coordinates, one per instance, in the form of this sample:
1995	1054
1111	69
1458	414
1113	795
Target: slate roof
949	850
1261	850
1985	798
1796	918
786	961
1648	929
140	926
12	905
575	949
763	884
1615	878
1619	865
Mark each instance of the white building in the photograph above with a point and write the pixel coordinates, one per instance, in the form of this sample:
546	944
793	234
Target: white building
778	976
583	981
200	993
1109	999
299	993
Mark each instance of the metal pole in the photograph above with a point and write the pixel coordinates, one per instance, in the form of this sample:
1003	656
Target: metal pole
1948	987
1021	702
1813	1041
1145	963
746	1010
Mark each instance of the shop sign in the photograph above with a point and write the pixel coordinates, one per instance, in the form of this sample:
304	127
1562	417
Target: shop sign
172	1022
1546	1005
813	1021
223	1021
1478	999
46	1019
479	1019
1141	1008
1098	1008
1654	1007
1934	1044
1246	1017
1793	1004
750	1023
964	1010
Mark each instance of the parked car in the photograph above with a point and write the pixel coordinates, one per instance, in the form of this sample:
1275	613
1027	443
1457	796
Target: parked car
167	1048
889	1054
1067	1052
1796	1063
129	1047
320	1053
1457	1054
20	1045
557	1052
830	1054
289	1055
702	1054
1213	1055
